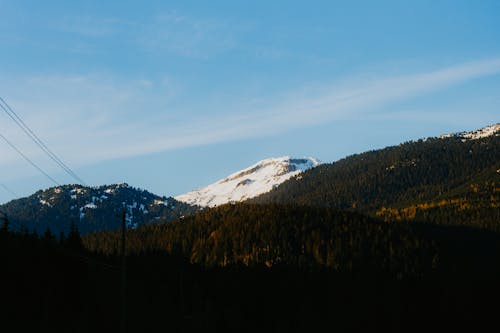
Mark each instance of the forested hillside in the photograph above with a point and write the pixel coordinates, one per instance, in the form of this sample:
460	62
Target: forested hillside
476	204
448	178
269	235
92	208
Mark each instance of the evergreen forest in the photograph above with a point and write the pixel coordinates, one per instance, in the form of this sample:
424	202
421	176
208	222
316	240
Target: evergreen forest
406	238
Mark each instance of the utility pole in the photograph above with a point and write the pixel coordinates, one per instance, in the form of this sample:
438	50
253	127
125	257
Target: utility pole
124	274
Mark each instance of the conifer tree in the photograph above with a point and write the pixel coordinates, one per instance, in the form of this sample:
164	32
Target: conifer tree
74	240
48	236
5	223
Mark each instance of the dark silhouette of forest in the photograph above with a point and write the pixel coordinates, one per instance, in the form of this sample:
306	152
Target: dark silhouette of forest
302	237
378	276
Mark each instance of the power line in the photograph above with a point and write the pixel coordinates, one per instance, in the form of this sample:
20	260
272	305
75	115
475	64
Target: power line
28	160
15	117
29	132
8	190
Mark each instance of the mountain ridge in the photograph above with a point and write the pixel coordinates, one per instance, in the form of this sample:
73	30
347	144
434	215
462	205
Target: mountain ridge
250	182
92	208
480	133
455	179
393	181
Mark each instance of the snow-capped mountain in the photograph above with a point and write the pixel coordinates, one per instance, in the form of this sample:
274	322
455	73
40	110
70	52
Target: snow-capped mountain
250	182
92	208
476	134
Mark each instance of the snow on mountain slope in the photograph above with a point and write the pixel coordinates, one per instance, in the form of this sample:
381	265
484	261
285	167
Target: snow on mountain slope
93	208
477	134
248	183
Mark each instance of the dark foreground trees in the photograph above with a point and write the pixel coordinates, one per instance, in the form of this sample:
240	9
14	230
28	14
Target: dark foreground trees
302	237
51	286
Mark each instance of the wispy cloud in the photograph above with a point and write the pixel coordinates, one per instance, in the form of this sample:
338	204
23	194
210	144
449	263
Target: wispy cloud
164	33
89	26
186	36
88	119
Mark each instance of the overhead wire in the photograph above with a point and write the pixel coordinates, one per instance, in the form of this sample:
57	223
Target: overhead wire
7	189
29	132
29	160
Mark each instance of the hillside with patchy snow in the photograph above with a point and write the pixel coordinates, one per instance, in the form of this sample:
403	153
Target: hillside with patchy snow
92	208
476	134
259	178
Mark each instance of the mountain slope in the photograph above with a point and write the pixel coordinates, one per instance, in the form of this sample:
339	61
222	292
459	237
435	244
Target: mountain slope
92	208
250	182
278	234
484	132
412	173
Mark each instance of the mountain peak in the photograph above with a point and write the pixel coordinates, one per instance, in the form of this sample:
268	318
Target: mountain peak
259	178
476	134
93	208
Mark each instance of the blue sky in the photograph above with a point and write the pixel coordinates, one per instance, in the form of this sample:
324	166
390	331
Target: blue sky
170	96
